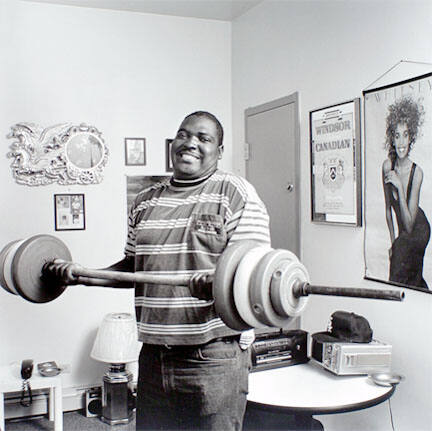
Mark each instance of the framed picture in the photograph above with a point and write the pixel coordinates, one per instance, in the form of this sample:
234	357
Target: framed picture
69	212
135	151
335	149
398	183
168	161
136	183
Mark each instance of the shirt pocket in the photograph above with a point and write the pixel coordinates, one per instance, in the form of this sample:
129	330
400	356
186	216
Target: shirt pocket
208	232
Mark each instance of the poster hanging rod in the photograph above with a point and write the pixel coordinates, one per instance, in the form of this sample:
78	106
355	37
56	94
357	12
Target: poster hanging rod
393	67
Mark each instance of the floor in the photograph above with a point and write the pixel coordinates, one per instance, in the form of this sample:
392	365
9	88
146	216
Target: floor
77	421
72	421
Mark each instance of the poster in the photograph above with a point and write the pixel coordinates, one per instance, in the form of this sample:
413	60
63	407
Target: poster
398	183
335	164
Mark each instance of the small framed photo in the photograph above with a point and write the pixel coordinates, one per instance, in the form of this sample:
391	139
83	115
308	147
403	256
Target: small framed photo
135	151
168	161
336	164
69	212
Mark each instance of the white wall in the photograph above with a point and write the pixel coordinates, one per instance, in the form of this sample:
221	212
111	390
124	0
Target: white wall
137	75
128	74
329	51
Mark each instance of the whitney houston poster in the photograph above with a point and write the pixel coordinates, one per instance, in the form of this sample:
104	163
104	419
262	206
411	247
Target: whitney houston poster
398	183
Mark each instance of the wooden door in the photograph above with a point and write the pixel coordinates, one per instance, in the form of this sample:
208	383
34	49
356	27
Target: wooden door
273	166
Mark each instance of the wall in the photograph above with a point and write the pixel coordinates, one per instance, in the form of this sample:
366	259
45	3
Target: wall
329	51
128	74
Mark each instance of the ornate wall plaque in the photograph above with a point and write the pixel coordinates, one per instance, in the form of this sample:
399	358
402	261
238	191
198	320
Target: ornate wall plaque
63	153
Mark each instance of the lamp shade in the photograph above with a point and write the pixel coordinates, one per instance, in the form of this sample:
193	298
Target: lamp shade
116	341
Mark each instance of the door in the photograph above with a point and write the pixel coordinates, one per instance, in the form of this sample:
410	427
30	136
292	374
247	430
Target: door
273	166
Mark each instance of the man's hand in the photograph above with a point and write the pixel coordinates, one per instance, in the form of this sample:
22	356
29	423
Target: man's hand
201	286
62	270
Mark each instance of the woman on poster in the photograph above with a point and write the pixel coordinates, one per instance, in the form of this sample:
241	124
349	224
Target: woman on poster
402	180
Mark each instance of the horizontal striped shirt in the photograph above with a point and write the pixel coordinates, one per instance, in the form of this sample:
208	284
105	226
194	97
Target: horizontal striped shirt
182	229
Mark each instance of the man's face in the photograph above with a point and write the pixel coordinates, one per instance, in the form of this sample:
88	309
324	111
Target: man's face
195	151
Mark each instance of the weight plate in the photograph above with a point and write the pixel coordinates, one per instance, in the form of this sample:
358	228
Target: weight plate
6	257
27	265
262	306
223	284
281	289
242	285
3	255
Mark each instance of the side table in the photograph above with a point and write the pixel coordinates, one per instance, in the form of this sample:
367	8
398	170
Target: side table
10	381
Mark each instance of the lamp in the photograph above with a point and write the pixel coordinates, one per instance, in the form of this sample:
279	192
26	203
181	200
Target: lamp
116	343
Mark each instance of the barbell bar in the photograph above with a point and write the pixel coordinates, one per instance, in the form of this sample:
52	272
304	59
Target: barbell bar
252	285
304	289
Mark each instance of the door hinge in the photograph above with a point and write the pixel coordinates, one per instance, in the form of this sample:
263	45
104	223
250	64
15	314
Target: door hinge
246	151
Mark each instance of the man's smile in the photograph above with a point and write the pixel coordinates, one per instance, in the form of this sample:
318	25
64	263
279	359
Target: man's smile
188	156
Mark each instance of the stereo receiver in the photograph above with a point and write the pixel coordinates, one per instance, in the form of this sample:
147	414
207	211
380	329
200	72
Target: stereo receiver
279	349
344	358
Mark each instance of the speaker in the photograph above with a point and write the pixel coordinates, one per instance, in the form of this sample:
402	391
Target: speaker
93	402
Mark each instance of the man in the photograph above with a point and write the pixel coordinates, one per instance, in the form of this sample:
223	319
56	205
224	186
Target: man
193	369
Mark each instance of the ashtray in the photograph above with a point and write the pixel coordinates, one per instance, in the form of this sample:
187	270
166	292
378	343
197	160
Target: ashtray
386	379
48	369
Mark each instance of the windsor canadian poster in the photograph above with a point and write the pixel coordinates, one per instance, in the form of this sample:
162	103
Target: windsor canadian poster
336	163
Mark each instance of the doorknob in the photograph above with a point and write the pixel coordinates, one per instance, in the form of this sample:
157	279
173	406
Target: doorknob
290	187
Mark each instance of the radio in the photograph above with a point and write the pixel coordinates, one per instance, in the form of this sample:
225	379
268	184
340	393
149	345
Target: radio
279	349
343	358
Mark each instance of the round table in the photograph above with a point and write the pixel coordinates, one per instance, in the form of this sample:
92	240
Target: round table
308	389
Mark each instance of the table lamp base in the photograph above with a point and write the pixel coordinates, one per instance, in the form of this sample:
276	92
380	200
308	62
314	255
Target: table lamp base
117	407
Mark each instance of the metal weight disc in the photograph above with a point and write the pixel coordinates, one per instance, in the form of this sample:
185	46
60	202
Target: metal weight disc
6	256
281	289
262	306
242	285
223	282
27	266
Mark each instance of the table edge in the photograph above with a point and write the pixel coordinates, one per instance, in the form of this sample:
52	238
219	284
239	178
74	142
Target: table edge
325	410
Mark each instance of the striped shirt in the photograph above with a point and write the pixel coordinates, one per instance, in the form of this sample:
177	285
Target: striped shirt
181	229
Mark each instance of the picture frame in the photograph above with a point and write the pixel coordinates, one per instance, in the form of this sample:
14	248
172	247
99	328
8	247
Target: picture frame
135	151
397	160
137	183
168	161
335	151
69	211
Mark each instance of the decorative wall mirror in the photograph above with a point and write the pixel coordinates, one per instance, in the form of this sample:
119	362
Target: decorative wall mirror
63	153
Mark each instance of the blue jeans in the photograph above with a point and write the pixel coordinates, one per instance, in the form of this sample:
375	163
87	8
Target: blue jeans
192	387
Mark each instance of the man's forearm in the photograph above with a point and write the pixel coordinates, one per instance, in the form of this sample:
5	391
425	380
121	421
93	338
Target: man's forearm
127	264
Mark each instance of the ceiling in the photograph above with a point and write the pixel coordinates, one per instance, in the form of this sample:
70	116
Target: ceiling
225	10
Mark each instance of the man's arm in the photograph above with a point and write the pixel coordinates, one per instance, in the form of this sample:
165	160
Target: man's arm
250	220
66	271
124	265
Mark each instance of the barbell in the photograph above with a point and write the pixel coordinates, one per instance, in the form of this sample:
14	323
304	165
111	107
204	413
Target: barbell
253	285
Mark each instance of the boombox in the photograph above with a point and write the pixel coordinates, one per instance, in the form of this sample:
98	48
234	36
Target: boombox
279	349
344	358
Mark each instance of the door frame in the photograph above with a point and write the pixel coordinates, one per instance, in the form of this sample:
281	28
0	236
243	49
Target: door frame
277	103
